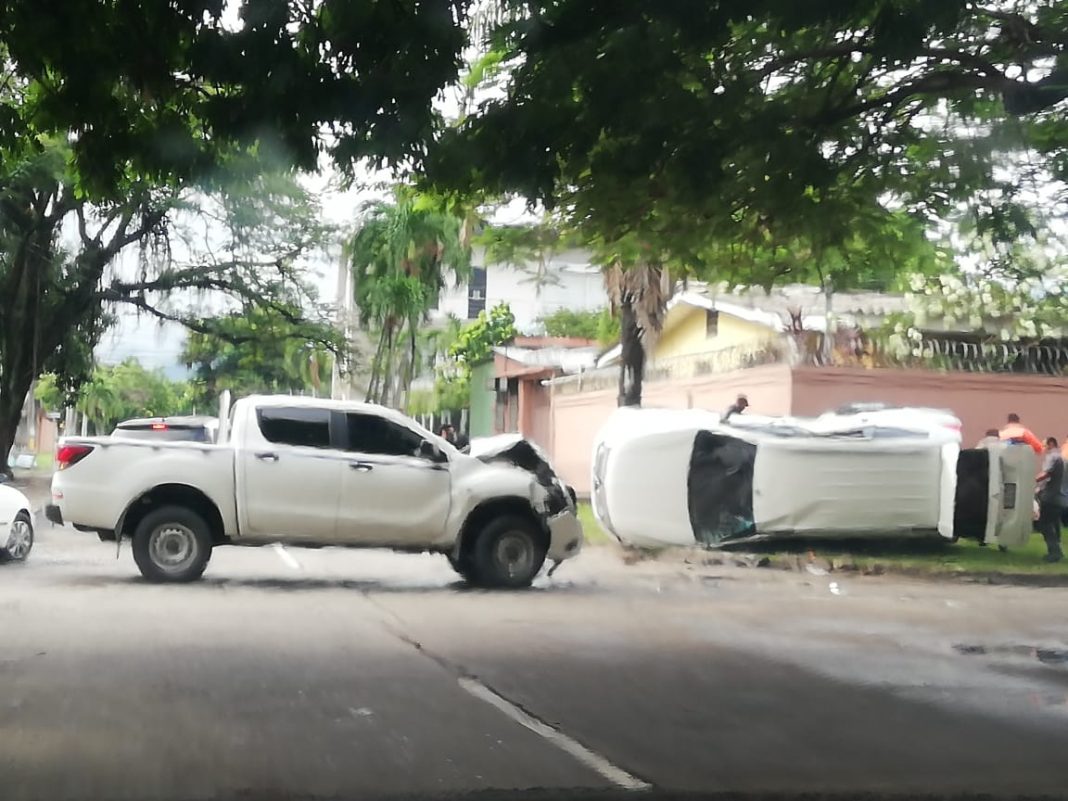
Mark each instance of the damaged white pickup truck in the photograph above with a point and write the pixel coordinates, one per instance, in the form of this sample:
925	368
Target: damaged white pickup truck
318	473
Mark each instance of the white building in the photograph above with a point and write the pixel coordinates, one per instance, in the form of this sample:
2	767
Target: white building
568	281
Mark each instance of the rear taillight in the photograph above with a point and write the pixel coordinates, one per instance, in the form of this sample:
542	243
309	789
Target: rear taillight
71	454
159	426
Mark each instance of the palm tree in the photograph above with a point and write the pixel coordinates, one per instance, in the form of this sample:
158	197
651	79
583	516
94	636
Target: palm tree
639	295
401	257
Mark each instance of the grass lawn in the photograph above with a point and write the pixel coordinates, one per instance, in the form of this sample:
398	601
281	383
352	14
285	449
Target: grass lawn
965	556
594	534
924	556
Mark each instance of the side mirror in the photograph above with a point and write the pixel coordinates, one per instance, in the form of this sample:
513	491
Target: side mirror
428	450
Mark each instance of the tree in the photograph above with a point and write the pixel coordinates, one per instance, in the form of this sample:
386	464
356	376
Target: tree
166	90
120	392
600	325
260	351
62	269
476	340
746	131
402	256
473	344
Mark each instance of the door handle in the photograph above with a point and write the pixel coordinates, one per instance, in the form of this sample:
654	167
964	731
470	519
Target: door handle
267	457
361	467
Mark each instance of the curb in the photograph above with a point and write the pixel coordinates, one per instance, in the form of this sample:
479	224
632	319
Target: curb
825	566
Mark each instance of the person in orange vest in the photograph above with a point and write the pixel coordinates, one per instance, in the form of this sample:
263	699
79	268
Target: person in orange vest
1015	431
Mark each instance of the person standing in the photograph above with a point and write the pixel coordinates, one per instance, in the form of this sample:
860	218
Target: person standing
448	433
1051	499
1015	431
739	406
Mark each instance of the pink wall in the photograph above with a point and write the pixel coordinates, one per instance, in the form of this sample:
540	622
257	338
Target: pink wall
980	400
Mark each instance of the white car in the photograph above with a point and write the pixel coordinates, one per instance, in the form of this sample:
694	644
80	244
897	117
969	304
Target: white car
683	477
16	525
303	471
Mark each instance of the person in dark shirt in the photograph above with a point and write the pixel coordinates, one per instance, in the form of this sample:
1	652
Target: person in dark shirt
1051	500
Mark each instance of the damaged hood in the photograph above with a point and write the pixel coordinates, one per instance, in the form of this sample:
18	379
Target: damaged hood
515	450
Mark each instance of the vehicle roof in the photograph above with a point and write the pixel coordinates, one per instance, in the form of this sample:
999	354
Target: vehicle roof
183	420
277	401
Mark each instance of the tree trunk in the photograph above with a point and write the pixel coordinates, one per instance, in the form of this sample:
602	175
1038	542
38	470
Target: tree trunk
15	382
631	357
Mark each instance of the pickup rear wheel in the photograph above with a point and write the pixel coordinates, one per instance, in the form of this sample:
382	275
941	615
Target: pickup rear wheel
172	544
508	553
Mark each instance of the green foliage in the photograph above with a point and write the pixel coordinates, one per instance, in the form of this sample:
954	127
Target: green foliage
599	325
164	90
770	127
477	340
260	351
402	255
120	392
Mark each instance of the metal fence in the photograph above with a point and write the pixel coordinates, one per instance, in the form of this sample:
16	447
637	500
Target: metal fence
849	349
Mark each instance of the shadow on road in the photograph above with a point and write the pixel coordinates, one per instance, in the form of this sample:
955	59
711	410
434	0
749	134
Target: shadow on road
319	584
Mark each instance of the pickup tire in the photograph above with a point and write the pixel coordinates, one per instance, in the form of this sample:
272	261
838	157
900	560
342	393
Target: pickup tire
508	553
172	544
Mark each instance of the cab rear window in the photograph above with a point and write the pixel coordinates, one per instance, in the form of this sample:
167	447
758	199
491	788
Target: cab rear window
163	434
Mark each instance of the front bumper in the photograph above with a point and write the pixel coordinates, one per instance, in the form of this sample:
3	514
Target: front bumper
565	536
54	514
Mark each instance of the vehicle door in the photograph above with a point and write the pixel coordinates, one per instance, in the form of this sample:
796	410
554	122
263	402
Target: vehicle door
289	475
1017	494
396	485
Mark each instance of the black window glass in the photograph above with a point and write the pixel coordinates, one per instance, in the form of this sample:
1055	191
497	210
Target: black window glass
369	433
295	426
476	293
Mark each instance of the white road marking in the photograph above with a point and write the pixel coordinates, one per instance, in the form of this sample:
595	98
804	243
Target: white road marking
592	760
286	556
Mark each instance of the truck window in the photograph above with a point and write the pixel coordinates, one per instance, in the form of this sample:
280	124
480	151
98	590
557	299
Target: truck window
369	433
295	425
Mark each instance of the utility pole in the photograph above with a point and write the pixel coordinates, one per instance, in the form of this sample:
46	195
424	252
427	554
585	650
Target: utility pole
340	380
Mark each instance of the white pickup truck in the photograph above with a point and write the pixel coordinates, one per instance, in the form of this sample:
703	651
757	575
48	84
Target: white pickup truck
318	473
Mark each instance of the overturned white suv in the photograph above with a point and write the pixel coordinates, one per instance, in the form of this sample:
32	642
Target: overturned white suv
317	473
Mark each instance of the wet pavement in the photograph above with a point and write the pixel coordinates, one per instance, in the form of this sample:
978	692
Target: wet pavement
346	674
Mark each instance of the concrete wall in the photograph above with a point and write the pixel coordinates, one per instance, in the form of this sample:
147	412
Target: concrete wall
980	400
685	333
483	400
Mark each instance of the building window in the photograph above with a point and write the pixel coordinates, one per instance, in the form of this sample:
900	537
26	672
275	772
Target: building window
711	323
476	293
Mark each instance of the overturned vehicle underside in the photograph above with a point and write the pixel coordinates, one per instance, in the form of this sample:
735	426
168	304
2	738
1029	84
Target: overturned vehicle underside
684	477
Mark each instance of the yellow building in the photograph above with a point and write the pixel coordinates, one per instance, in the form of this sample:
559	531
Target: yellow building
734	325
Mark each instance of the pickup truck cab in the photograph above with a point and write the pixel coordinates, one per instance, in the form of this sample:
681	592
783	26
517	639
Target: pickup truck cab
311	472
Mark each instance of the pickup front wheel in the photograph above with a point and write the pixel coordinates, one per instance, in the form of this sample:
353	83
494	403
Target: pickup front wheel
172	544
508	553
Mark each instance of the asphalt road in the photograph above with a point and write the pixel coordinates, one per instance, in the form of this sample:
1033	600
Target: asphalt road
336	674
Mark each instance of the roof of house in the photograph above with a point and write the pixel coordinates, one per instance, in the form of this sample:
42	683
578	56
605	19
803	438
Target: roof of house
562	359
773	309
